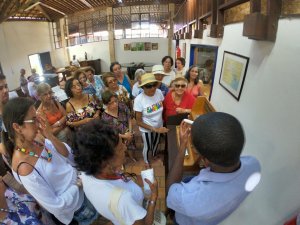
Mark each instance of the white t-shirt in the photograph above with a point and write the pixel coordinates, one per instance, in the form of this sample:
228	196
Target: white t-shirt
180	73
168	77
99	193
151	108
54	185
136	90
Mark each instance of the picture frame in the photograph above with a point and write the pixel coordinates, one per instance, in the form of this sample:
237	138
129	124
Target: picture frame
233	73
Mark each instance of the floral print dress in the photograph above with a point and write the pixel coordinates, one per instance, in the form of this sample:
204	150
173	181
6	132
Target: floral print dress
120	123
87	111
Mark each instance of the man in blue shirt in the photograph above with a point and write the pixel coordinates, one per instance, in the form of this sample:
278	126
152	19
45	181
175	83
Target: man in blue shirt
219	189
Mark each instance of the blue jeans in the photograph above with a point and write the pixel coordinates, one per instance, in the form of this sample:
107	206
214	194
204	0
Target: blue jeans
86	214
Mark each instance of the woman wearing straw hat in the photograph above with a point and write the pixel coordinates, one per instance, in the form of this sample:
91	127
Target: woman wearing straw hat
148	107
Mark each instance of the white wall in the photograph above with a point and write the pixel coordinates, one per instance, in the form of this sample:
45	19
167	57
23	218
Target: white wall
153	56
269	110
94	50
17	41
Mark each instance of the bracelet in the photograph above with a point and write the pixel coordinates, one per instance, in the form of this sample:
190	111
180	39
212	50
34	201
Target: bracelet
152	202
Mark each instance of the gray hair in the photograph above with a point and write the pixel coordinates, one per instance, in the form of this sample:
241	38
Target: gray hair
42	88
138	73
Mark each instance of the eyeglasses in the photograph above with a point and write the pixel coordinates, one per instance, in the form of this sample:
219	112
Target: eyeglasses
180	85
3	86
150	85
33	120
112	81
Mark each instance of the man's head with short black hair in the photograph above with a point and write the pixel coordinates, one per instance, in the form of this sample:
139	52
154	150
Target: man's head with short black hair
219	137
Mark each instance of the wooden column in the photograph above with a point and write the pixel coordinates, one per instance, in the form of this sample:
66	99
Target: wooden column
171	30
262	27
64	39
110	28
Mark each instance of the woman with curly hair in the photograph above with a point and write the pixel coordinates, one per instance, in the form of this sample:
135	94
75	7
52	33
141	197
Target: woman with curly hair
100	155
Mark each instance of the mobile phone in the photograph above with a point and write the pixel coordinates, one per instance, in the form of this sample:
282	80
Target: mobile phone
188	121
186	153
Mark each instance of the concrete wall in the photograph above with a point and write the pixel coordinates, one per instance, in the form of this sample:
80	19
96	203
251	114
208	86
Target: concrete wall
268	108
17	41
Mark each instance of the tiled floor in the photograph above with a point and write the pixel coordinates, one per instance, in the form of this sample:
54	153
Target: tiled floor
157	165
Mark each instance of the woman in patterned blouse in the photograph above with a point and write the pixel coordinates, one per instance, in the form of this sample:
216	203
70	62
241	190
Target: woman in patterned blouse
117	115
81	108
111	83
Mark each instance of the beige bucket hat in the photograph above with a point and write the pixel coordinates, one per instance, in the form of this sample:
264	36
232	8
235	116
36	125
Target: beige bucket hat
147	78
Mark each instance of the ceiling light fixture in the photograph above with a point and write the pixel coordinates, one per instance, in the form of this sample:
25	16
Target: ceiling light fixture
120	1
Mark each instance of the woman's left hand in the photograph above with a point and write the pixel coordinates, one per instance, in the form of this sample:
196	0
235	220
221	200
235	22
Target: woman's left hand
185	130
44	128
128	136
180	110
97	114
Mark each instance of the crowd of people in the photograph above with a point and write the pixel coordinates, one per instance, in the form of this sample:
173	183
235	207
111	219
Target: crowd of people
70	159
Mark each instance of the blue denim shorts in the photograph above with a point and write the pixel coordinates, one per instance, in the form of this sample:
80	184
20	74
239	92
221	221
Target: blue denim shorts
86	214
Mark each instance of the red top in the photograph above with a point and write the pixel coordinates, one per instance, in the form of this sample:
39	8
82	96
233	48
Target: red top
187	102
53	117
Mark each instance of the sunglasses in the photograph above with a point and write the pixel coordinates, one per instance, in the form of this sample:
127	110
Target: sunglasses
3	86
150	85
180	85
112	81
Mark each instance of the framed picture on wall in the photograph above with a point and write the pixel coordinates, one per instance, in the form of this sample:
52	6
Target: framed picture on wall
154	46
233	73
127	47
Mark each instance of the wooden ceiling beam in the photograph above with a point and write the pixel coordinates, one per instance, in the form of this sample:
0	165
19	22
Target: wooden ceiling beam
44	13
15	7
63	7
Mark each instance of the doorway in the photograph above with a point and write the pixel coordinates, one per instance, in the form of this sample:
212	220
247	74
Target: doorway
205	57
39	60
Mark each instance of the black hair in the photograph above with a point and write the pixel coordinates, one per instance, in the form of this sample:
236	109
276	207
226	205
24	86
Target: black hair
219	137
90	69
182	60
113	64
95	146
2	76
187	74
68	87
15	111
107	95
167	57
106	75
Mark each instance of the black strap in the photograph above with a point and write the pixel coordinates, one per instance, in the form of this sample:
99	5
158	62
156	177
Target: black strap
72	106
32	167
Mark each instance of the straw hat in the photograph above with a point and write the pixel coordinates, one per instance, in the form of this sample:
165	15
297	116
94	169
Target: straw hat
147	78
158	69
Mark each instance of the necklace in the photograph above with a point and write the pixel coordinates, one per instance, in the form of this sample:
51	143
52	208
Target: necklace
126	177
33	154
